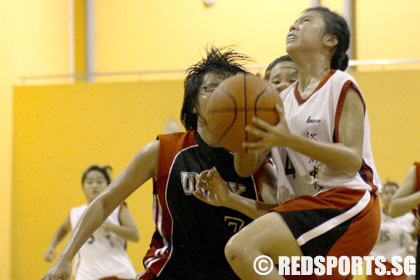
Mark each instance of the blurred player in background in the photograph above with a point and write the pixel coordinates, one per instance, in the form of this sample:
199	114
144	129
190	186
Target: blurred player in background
104	254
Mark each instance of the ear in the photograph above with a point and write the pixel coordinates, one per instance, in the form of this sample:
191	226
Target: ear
329	40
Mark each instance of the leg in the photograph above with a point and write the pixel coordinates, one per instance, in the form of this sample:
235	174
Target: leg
268	235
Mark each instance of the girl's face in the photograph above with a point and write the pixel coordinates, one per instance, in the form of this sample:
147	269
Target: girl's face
210	82
283	74
306	33
94	184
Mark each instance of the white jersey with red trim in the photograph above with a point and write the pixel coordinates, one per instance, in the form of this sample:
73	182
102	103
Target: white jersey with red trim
103	255
317	118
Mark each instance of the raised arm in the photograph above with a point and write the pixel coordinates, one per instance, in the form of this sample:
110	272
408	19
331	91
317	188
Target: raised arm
407	196
140	169
345	155
60	233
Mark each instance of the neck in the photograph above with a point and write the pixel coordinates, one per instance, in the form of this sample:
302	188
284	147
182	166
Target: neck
312	69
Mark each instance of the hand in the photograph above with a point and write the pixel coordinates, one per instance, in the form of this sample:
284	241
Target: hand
50	254
61	270
283	195
218	192
270	135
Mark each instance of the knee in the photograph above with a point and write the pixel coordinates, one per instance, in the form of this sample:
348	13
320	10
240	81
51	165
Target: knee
235	248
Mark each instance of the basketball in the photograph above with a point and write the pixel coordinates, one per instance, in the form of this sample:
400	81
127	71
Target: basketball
234	103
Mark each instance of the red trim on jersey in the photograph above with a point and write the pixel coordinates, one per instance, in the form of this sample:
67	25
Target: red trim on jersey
347	85
169	147
369	176
417	164
299	98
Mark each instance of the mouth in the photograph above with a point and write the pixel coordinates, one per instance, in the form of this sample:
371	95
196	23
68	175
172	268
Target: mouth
291	37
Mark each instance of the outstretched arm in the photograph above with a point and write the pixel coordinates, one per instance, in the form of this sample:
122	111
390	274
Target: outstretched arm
140	169
407	197
60	233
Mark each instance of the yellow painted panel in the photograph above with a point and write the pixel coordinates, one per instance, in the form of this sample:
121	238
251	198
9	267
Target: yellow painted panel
164	34
61	130
41	37
387	29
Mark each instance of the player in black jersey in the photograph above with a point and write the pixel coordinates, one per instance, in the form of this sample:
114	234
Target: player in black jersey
190	235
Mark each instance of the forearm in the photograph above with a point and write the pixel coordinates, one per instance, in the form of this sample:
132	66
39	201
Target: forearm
93	217
400	206
336	155
248	207
59	235
128	233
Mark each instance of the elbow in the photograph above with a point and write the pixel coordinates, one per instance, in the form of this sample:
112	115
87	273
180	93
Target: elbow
135	236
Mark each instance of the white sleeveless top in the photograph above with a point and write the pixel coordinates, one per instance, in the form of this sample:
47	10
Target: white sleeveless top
103	255
394	236
317	118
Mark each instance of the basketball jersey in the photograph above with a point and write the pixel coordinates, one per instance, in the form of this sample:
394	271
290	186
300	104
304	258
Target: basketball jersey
395	234
190	235
103	255
317	118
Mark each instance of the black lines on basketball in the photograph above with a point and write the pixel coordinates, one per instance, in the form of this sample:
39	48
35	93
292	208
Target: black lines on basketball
258	98
246	111
233	104
235	107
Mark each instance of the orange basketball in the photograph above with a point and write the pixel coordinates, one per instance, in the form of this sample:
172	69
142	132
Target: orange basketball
234	103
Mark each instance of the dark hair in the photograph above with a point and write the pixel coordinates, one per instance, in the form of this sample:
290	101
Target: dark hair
224	61
277	61
336	25
103	170
391	183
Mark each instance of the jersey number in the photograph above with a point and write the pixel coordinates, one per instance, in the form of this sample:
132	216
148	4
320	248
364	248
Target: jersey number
236	223
290	169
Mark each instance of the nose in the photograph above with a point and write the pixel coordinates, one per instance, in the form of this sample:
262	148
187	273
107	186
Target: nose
293	27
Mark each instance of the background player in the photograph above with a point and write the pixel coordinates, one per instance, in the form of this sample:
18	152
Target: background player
396	234
406	199
103	255
282	72
190	235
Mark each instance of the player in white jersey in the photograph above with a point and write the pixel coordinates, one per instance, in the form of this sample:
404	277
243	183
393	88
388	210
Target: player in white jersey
324	127
103	256
396	235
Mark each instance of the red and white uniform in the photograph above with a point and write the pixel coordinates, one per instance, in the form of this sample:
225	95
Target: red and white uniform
333	212
103	255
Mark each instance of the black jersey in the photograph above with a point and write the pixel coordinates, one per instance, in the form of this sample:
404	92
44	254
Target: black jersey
190	234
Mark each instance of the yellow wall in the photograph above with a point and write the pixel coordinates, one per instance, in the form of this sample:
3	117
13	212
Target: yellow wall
60	130
6	74
41	37
165	34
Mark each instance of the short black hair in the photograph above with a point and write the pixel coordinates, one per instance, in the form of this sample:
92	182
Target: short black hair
278	60
103	170
224	61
